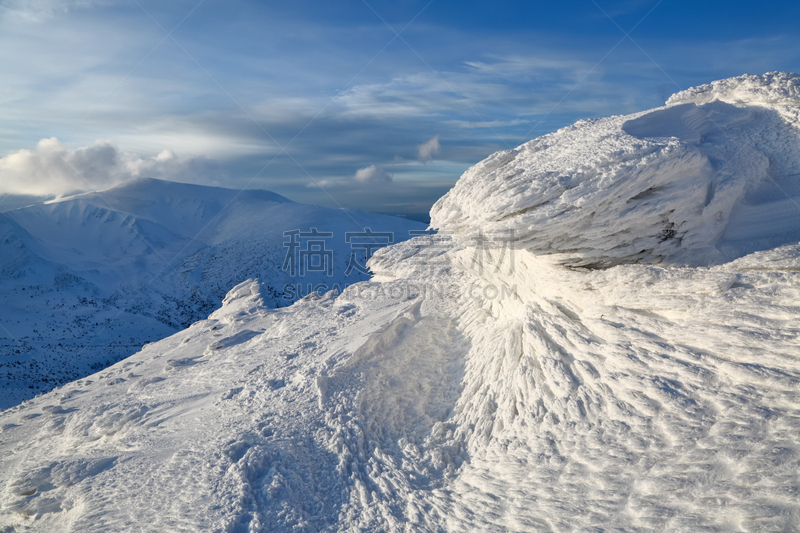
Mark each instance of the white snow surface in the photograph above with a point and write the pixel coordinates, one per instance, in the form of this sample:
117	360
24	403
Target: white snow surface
477	387
87	280
706	179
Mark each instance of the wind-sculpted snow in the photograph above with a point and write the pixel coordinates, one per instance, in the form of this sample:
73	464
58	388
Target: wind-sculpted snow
771	88
657	186
469	386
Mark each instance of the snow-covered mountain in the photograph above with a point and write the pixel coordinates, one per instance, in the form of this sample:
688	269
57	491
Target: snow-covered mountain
87	280
603	336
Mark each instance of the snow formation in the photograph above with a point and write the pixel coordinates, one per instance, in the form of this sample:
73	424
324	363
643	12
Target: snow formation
709	177
632	363
87	280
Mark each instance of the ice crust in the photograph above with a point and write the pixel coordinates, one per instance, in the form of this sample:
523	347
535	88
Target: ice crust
469	388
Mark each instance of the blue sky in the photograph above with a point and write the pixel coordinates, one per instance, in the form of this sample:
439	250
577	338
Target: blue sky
325	103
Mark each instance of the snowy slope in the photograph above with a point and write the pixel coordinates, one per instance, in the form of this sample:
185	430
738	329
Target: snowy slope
88	280
473	385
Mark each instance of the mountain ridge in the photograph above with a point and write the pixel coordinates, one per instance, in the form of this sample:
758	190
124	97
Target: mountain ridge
139	261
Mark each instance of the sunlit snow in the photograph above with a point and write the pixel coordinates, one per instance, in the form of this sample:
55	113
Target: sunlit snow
603	336
85	281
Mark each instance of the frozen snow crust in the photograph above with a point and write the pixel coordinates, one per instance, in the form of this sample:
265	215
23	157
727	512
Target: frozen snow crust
466	388
713	175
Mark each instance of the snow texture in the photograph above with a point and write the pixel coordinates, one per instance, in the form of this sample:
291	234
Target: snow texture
87	280
659	186
476	386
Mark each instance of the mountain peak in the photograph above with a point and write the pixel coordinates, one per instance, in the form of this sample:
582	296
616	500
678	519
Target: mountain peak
700	181
774	88
152	188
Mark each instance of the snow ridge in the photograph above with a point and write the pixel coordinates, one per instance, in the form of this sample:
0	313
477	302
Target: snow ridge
659	186
773	88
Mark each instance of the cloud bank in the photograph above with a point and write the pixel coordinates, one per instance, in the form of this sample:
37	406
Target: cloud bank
51	169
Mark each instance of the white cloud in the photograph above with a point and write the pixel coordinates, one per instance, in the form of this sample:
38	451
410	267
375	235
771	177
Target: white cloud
427	150
497	87
372	174
515	67
36	10
326	184
50	169
472	124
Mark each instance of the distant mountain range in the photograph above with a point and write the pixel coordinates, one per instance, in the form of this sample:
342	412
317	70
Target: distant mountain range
87	280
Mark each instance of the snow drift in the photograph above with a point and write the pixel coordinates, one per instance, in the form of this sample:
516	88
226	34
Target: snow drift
603	336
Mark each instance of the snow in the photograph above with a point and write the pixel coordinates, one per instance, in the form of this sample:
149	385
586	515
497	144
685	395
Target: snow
602	374
658	186
771	88
85	281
